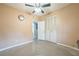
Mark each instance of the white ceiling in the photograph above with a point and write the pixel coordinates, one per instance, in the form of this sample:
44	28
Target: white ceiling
22	7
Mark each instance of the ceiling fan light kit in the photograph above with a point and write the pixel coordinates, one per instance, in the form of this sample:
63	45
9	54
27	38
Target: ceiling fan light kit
38	11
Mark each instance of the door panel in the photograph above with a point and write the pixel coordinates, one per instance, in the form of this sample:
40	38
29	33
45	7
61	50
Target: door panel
41	30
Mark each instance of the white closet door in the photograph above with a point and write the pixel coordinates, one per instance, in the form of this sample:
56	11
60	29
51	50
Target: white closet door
47	31
51	29
53	32
41	30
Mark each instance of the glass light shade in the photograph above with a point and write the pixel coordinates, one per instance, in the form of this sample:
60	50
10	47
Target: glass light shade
38	11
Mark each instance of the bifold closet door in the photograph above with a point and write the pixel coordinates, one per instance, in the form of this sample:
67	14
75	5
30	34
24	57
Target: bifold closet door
50	29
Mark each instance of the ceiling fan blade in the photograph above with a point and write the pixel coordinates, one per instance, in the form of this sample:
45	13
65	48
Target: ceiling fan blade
42	11
29	5
46	5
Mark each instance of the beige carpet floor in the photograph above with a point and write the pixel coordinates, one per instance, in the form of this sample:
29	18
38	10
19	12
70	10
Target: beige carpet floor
41	48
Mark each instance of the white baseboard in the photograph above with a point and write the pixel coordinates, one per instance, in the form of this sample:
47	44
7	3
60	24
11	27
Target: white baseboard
31	41
74	48
68	46
15	46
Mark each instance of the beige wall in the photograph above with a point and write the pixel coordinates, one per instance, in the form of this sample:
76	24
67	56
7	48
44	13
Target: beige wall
67	22
9	21
12	30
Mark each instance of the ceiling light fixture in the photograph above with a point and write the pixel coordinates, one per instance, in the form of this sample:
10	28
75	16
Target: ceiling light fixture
38	11
21	17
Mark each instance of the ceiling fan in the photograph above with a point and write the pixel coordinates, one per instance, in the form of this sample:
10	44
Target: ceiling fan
38	8
38	5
